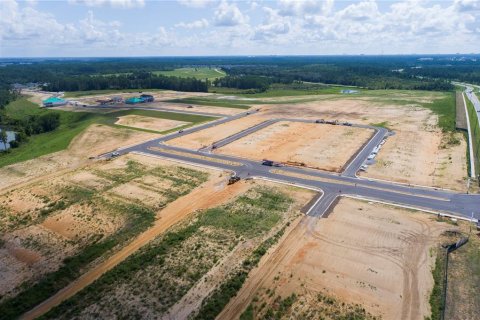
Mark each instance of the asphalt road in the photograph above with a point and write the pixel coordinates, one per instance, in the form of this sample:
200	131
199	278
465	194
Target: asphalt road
331	184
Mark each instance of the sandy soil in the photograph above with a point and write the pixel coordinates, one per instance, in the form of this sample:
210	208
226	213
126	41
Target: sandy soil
374	255
414	155
319	146
192	301
202	108
149	123
212	193
208	136
95	140
406	158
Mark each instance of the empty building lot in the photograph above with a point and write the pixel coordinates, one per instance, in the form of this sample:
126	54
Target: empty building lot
369	254
149	123
320	146
208	136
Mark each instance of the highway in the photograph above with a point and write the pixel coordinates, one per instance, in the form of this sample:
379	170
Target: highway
332	185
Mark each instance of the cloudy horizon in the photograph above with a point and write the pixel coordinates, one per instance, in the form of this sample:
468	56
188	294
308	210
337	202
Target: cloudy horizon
111	28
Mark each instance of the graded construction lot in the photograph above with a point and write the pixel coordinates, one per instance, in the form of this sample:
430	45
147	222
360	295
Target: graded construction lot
207	137
149	123
54	229
422	151
171	276
313	145
366	254
93	141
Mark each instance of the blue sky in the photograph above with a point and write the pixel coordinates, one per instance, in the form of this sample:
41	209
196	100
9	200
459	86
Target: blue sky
82	28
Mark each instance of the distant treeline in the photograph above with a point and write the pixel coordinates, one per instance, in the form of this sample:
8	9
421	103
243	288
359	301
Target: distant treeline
371	77
433	72
135	80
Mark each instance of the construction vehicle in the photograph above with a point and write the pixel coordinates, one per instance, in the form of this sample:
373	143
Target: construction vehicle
334	122
271	163
234	178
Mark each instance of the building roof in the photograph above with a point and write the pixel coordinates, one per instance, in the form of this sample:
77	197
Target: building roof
134	100
53	100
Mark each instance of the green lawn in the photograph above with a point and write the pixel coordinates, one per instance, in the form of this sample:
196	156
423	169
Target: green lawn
72	123
197	73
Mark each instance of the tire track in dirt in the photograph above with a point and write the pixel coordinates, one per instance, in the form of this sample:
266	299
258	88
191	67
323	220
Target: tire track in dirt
210	194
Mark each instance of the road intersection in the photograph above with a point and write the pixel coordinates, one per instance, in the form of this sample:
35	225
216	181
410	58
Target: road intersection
331	185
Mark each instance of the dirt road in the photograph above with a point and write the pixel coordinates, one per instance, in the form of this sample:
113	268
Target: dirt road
374	255
210	194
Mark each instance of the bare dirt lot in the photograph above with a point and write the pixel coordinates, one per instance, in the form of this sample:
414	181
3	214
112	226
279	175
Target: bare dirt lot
418	153
149	123
46	221
95	140
368	254
208	136
318	146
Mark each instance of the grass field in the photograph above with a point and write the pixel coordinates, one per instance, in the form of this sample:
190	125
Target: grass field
72	123
197	73
283	90
474	126
237	104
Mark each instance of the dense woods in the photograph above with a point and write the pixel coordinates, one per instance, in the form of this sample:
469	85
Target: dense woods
136	80
257	73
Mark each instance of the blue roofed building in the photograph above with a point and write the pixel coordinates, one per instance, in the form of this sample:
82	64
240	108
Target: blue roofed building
54	102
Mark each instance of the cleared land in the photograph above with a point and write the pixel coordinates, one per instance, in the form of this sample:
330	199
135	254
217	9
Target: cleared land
368	254
198	73
423	150
149	123
314	145
191	259
208	136
55	228
95	140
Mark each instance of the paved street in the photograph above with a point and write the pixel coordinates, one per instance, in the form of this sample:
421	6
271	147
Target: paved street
331	184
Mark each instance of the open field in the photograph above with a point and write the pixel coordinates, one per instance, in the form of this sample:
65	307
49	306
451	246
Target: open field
55	228
313	145
197	73
74	123
173	273
208	136
149	123
372	255
95	140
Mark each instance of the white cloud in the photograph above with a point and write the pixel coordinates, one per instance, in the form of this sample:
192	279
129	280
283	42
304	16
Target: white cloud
302	7
467	5
112	3
198	24
273	25
228	15
196	3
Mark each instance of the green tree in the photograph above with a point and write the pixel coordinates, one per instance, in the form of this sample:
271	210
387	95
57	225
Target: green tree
4	138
